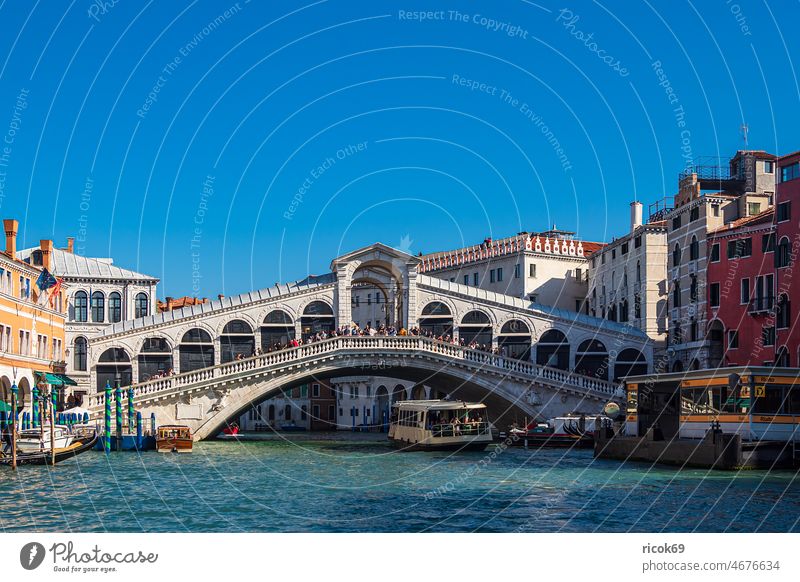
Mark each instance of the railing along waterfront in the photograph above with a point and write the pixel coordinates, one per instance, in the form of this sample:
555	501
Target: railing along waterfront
364	346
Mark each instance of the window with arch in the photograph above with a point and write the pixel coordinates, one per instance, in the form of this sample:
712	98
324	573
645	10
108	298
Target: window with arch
81	302
676	255
638	272
142	306
782	314
694	249
98	307
783	256
114	307
79	355
552	350
782	357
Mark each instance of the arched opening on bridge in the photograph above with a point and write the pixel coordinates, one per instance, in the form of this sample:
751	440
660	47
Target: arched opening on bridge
436	320
317	318
514	340
196	350
155	359
398	394
114	365
591	359
237	341
552	350
475	330
418	392
716	346
376	295
277	330
630	362
382	407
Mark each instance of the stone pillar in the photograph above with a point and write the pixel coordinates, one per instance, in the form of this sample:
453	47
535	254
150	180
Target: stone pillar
176	359
409	297
342	296
217	351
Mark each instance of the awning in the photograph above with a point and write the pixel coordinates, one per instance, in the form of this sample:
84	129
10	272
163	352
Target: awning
57	379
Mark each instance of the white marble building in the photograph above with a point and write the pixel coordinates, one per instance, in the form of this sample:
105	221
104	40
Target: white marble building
550	267
100	294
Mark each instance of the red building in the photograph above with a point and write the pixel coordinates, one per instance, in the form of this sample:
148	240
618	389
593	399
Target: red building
741	292
787	235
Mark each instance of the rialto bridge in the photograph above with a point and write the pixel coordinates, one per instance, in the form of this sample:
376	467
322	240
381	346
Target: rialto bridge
220	360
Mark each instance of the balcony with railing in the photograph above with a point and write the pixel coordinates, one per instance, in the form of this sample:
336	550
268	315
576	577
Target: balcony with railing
761	305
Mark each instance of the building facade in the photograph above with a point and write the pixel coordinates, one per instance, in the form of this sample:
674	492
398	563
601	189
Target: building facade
628	279
787	251
741	292
100	294
746	187
32	322
550	268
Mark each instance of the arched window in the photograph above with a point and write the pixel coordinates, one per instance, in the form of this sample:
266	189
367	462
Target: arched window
81	306
317	318
591	359
623	311
196	350
436	319
277	330
552	350
676	294
237	340
694	249
783	256
155	359
638	272
782	357
79	355
476	328
114	307
113	366
783	313
629	362
98	307
514	340
676	255
142	305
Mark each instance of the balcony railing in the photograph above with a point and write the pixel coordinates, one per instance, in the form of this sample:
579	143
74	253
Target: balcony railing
761	305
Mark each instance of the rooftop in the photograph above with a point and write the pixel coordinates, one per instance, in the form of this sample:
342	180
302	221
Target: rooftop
67	264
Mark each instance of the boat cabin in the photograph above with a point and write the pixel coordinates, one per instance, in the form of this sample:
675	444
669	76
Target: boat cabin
440	424
758	403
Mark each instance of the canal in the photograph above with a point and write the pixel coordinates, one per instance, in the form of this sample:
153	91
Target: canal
357	483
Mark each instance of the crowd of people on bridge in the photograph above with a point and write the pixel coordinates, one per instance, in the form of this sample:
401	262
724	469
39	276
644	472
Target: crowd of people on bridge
381	330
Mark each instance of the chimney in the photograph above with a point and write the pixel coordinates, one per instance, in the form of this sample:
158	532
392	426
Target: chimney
11	227
170	303
636	215
71	245
46	246
220	297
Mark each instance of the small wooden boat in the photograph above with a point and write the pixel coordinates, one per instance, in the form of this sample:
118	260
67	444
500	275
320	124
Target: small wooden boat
571	431
174	438
78	444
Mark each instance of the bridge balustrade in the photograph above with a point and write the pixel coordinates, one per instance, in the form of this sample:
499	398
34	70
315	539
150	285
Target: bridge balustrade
381	344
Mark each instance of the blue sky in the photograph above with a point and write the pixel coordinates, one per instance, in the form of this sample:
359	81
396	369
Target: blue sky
225	146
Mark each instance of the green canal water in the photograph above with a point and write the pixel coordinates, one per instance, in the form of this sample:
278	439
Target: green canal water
357	483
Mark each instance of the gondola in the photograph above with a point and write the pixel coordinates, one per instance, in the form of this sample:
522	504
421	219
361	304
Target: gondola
78	446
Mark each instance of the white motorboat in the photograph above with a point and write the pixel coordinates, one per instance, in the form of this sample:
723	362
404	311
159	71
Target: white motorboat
37	440
440	425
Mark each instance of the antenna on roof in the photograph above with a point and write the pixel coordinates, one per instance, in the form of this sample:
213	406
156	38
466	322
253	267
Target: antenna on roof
744	128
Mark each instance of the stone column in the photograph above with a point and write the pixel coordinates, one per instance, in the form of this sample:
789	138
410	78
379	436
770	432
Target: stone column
342	296
410	297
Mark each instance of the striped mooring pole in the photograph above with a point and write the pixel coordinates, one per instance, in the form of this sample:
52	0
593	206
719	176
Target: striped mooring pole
139	430
131	412
107	419
153	424
118	395
35	403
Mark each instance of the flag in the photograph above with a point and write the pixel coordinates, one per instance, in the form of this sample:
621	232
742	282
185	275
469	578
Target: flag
54	293
45	280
